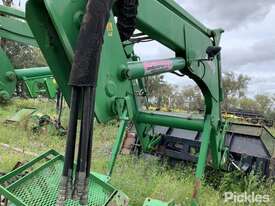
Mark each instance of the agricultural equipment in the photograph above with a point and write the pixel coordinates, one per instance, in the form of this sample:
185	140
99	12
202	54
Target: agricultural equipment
37	122
34	81
107	79
249	116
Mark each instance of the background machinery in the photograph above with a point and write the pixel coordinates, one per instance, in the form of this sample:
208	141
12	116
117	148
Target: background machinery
107	78
34	81
253	117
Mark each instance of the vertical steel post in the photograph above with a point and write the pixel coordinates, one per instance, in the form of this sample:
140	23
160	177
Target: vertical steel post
202	157
118	142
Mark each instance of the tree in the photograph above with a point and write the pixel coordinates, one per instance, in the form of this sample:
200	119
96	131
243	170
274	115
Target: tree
21	55
192	98
265	103
249	104
7	2
157	88
24	56
234	87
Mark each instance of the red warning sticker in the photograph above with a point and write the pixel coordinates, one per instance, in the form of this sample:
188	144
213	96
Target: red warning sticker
152	67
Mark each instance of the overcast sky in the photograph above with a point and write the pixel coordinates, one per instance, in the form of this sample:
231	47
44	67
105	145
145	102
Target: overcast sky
248	42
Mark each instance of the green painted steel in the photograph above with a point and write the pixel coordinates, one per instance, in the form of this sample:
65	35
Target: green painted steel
13	26
7	78
37	81
32	72
55	25
40	86
12	12
40	185
169	121
153	202
21	115
113	60
118	142
17	28
138	70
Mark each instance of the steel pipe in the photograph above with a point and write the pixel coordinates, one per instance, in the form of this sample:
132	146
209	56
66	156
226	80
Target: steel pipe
31	72
138	70
170	121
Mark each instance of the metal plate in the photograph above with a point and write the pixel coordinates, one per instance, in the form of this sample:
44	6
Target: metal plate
40	188
246	129
55	25
248	145
21	115
6	85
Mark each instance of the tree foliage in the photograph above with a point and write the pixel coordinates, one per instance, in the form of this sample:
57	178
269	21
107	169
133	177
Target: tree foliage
24	56
163	94
234	87
21	55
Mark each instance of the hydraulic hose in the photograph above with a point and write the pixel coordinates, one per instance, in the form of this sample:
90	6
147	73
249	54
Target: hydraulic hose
83	79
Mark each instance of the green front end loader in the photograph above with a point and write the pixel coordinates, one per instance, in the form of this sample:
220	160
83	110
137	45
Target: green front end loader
35	81
89	48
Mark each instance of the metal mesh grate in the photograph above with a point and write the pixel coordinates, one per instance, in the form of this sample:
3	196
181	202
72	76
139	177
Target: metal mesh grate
42	188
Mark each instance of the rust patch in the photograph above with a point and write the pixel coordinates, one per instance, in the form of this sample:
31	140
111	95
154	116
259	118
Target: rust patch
129	143
196	188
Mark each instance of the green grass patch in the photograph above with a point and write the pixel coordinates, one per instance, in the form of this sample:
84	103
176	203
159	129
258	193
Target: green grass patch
137	177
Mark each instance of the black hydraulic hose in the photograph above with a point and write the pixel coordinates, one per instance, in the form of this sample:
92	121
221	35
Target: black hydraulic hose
58	97
71	136
86	64
85	127
60	111
90	142
89	44
83	76
78	155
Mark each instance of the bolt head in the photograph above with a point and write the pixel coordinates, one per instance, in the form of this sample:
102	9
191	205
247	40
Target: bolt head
4	96
11	76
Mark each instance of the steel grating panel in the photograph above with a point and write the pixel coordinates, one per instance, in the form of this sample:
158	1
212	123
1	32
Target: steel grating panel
246	129
42	188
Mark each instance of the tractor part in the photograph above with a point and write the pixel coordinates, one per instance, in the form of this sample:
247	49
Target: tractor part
153	202
40	185
126	18
83	79
21	115
247	147
36	81
14	26
38	122
57	34
272	167
4	201
7	78
41	123
56	27
59	108
253	117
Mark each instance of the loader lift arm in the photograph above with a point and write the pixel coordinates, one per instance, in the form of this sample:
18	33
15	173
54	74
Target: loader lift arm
56	26
13	26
